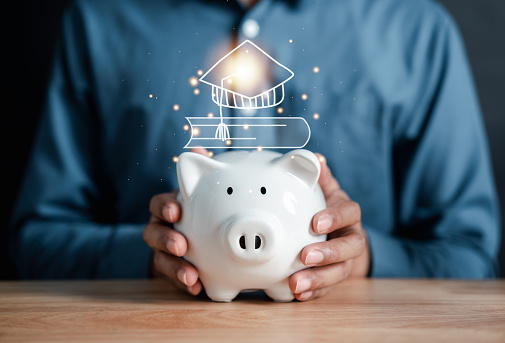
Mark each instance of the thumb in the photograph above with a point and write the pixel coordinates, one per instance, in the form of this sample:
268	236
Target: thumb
200	150
328	183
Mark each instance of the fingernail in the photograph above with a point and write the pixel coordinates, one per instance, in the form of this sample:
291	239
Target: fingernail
172	247
323	224
181	275
171	214
314	257
305	295
302	285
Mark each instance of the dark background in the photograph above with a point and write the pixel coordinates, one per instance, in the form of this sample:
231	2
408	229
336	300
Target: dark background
28	34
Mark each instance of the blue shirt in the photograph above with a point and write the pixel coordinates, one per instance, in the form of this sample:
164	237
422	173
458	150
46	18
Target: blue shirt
399	123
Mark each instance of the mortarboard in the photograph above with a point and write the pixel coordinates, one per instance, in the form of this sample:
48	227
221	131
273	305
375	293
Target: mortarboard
239	79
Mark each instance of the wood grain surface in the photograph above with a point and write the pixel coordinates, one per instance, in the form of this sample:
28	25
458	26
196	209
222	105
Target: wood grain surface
377	310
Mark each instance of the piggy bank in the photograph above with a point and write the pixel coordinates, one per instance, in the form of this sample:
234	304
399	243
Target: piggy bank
246	216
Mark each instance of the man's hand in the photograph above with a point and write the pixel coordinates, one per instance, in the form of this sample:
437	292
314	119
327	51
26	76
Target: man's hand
168	244
345	253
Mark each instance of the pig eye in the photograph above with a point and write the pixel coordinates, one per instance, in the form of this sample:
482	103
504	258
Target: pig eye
263	190
229	190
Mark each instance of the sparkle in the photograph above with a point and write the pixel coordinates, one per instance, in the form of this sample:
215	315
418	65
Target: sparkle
280	110
193	81
292	157
195	131
186	127
304	96
176	107
175	159
316	116
228	142
199	72
315	69
321	159
150	96
246	127
211	153
210	115
196	91
290	41
259	148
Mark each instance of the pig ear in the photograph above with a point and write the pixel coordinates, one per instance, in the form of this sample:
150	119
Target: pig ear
302	164
190	168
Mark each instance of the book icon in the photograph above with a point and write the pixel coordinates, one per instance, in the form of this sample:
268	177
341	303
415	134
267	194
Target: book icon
239	80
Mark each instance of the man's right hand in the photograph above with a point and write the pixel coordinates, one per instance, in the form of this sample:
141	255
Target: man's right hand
169	245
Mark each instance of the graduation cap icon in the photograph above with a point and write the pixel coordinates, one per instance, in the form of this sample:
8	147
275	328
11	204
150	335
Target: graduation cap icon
240	78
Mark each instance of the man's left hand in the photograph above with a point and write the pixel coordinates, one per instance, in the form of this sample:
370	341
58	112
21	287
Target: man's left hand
345	253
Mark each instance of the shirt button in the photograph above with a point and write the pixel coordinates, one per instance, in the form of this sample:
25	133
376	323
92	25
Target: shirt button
251	28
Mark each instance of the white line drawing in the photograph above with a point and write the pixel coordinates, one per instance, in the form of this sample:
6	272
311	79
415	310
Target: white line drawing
222	81
202	131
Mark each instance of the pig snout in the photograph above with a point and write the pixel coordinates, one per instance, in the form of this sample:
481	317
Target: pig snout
251	238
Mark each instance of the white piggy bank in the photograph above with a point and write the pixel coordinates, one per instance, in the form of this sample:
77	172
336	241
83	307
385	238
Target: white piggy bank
247	216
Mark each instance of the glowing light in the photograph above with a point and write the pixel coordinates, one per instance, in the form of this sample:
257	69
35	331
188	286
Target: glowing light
175	159
259	148
195	131
246	71
176	107
199	72
196	91
193	81
280	110
246	127
150	95
292	157
304	96
315	69
290	41
321	159
211	153
316	116
228	142
186	127
210	115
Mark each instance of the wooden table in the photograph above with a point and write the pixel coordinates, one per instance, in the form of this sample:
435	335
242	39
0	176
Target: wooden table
153	311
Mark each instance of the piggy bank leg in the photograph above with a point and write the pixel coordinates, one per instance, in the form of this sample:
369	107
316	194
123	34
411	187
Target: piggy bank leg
220	294
280	292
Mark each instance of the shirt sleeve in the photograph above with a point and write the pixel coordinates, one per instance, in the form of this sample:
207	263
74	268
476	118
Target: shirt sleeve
63	225
447	211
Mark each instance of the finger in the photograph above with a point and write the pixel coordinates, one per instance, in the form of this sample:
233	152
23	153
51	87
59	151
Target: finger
175	268
339	249
193	290
166	239
321	277
196	288
311	295
327	182
166	207
344	214
200	150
